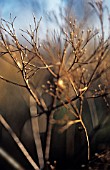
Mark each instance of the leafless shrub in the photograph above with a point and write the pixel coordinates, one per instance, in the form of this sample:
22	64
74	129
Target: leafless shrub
77	61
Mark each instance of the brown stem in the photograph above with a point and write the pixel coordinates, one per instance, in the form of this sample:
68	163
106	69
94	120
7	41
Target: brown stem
87	137
18	142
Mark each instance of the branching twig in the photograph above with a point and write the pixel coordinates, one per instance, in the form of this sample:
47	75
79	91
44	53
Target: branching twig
11	82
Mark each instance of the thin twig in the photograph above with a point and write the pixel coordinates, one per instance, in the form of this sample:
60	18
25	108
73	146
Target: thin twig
11	82
18	142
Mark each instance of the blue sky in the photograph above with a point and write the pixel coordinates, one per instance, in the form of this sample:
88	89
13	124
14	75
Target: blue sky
24	9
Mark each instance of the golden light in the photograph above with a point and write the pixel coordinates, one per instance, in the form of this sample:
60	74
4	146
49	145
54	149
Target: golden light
61	84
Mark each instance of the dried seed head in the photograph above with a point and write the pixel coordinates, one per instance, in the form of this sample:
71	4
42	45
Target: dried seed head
43	86
65	32
83	70
47	91
83	166
48	163
48	82
70	22
61	84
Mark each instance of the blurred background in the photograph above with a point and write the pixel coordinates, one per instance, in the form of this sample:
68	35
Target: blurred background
24	9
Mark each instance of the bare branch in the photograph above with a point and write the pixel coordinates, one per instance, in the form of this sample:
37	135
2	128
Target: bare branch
18	142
